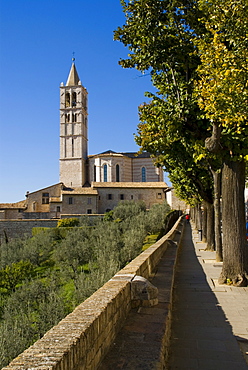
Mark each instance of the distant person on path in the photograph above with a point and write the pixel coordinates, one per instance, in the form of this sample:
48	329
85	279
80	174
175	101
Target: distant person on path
187	218
247	229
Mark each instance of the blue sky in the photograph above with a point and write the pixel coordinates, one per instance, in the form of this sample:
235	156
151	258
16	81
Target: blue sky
37	39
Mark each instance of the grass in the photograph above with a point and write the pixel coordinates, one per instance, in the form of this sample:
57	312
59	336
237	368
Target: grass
149	240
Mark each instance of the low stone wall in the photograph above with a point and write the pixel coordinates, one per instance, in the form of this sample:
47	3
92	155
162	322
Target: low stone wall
82	339
18	228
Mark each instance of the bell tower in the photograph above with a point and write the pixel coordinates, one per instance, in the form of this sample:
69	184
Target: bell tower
73	130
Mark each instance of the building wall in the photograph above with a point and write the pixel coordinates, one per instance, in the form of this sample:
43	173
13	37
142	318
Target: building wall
19	228
152	173
37	202
72	172
130	169
175	202
79	204
110	197
11	214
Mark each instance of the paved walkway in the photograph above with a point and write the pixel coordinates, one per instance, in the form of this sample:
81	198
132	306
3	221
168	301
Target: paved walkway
210	322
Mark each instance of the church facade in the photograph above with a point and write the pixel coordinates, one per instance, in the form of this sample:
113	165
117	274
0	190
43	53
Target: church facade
89	184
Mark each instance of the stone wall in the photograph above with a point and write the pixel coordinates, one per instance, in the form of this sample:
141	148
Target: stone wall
19	228
82	339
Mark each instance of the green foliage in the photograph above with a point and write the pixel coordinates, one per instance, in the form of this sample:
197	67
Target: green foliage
14	274
68	222
45	277
126	209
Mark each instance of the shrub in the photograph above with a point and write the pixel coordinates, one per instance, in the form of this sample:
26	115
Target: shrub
68	222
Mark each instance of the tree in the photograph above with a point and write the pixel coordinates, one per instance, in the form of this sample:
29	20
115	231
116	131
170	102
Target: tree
222	92
159	35
170	39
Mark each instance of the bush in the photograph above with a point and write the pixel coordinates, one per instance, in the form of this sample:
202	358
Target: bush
68	222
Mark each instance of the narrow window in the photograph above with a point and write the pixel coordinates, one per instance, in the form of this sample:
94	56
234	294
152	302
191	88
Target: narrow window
70	200
117	173
94	173
74	99
67	100
143	174
105	173
121	196
58	208
131	196
109	196
72	147
65	149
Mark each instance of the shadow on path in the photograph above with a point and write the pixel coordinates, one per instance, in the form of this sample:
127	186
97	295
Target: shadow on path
201	337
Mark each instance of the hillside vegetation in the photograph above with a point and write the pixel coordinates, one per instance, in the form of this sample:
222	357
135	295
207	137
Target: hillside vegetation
45	277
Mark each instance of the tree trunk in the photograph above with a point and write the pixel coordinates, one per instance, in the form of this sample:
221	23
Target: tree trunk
217	215
210	226
235	251
204	224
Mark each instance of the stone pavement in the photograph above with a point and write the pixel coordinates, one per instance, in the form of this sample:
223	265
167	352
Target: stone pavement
210	321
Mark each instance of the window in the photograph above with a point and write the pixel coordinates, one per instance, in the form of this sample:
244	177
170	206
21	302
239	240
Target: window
89	201
94	173
117	173
143	174
74	117
70	200
121	196
89	211
45	198
159	195
131	196
105	173
72	147
67	100
74	99
58	208
109	196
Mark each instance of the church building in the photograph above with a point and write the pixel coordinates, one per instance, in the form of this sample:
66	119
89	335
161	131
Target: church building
89	184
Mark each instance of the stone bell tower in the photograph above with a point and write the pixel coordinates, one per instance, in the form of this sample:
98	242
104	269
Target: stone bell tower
73	130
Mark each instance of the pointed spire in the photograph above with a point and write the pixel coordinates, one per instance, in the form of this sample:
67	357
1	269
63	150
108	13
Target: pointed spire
73	79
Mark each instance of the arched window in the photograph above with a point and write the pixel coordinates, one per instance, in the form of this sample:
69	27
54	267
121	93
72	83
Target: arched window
105	173
117	173
74	99
67	100
143	174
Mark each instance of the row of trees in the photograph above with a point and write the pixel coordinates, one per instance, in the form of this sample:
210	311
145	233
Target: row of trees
196	122
45	277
